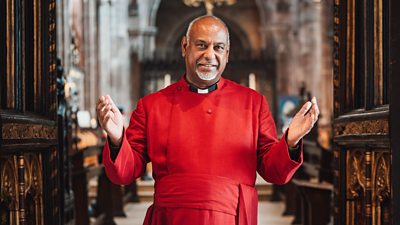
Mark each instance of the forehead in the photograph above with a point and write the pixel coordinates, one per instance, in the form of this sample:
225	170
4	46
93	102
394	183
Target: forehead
210	31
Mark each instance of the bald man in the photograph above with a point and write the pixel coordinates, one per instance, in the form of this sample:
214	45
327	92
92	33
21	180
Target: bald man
206	138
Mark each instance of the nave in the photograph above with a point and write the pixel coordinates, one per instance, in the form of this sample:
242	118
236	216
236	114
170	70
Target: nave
59	56
269	213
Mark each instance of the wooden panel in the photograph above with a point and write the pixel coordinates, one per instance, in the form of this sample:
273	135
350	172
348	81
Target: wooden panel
29	158
392	67
378	54
32	56
362	136
3	54
10	42
22	182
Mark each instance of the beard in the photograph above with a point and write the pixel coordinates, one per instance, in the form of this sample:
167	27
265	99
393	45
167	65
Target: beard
209	75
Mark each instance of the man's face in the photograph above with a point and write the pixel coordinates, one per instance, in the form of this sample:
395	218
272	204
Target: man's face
206	53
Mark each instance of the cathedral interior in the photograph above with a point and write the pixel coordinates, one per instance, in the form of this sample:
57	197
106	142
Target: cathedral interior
59	56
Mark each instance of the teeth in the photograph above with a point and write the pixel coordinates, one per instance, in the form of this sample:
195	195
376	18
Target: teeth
207	65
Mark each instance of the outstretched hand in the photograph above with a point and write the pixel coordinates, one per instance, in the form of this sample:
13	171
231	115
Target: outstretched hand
303	122
110	119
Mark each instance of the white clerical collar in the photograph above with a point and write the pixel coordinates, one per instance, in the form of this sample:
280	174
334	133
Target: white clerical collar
203	90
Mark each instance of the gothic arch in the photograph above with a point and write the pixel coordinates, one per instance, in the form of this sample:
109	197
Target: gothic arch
170	28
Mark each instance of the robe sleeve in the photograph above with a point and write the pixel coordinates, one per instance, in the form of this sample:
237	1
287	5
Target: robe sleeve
274	163
132	156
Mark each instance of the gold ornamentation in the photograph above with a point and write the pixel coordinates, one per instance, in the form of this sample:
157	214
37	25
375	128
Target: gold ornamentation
355	174
377	127
9	185
382	178
35	189
28	131
209	4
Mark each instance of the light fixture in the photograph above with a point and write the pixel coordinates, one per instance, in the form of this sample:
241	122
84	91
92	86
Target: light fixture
209	4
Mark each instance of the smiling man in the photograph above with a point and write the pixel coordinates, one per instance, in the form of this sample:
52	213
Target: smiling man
206	51
206	137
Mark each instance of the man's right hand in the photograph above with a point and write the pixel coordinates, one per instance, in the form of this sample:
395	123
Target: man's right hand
110	119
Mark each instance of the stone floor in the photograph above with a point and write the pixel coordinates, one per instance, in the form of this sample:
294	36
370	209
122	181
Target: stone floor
269	213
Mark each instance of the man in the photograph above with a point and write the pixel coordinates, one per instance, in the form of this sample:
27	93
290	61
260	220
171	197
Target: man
206	137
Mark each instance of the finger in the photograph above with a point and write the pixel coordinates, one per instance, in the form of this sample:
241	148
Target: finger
314	100
315	105
104	112
101	99
100	103
306	107
106	118
114	107
316	109
101	108
104	108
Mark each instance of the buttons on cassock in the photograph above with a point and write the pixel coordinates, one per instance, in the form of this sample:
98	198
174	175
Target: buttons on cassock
209	111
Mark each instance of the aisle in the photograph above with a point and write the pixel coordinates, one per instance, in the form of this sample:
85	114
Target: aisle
269	214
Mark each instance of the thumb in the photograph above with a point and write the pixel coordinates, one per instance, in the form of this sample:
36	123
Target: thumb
306	107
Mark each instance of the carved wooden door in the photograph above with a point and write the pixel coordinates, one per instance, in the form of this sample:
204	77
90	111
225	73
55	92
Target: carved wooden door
29	168
366	69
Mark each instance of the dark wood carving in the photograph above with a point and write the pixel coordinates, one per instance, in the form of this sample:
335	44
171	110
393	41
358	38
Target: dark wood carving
367	127
29	167
363	147
28	131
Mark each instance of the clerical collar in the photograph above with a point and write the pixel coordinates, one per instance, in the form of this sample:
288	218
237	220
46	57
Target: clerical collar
203	90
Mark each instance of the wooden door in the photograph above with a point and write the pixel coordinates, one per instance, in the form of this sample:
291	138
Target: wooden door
366	150
29	167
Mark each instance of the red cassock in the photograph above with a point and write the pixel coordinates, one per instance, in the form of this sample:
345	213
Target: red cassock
205	150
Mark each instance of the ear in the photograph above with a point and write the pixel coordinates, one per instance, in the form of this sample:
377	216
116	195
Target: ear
183	46
227	55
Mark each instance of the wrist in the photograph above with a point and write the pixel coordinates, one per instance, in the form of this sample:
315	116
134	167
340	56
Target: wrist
116	141
291	142
293	145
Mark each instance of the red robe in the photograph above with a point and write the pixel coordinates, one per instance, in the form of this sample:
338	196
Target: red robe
205	150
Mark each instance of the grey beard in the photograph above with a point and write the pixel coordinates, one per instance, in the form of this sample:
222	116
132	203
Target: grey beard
207	76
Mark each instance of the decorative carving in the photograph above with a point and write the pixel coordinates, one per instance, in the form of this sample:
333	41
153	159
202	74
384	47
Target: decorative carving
34	192
355	174
28	131
21	188
9	186
27	173
381	176
378	127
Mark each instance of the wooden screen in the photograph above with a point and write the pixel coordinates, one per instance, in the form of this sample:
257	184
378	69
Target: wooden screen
363	64
29	168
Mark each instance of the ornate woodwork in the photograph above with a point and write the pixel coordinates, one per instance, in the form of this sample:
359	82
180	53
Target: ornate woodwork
29	167
363	102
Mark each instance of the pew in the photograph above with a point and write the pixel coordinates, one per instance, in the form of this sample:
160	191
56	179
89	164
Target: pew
315	202
109	198
314	194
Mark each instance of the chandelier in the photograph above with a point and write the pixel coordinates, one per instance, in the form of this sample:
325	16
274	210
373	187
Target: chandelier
209	4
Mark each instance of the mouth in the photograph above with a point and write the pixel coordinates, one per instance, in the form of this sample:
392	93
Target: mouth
207	66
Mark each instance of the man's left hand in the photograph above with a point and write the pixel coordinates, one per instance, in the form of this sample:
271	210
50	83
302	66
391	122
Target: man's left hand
302	122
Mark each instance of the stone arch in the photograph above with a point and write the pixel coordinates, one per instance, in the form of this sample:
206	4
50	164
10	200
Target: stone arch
166	39
153	12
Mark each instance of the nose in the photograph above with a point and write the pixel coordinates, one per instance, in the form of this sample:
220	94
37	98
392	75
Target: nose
209	53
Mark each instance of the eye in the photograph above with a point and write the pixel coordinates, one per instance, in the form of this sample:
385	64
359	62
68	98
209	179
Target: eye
219	48
201	45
